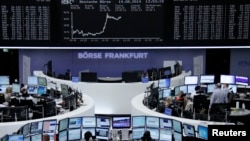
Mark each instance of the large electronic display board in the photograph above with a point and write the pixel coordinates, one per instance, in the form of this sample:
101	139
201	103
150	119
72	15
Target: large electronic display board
125	23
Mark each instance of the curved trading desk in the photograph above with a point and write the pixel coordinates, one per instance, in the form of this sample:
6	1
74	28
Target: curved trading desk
138	108
112	98
87	110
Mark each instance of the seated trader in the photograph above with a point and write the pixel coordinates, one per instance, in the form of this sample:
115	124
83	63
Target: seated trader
218	96
197	91
5	97
26	99
146	136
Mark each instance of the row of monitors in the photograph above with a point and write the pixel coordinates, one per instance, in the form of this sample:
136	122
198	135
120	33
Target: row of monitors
32	80
209	79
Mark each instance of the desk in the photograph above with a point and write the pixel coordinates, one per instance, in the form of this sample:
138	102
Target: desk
239	113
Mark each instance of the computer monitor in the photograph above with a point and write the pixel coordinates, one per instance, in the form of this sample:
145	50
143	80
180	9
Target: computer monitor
36	127
241	89
166	93
42	90
177	126
49	126
25	129
63	124
137	133
36	137
91	129
210	88
74	134
191	80
15	137
138	121
191	88
63	135
154	132
42	81
189	130
177	136
5	137
165	135
168	111
176	90
16	88
241	80
103	122
233	88
165	123
64	90
75	122
202	132
164	83
184	88
121	122
75	79
32	89
88	121
32	80
27	138
207	79
152	122
227	79
88	76
4	80
3	88
102	133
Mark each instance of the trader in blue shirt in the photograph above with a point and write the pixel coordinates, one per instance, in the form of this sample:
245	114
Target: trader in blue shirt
218	96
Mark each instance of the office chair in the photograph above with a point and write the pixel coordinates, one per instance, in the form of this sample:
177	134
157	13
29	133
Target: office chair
219	112
38	111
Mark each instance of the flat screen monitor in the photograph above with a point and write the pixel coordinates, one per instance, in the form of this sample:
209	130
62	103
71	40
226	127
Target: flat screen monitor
138	133
207	79
64	89
241	89
16	88
138	121
241	80
4	80
102	133
75	79
42	90
75	122
191	88
32	80
144	79
32	89
210	88
166	135
89	121
154	132
166	93
121	121
36	137
36	127
168	111
92	130
165	123
26	129
15	137
177	126
164	83
42	81
5	137
63	124
74	134
184	88
63	135
176	90
202	132
177	136
27	138
3	88
49	126
189	130
152	122
191	80
227	79
233	88
103	122
88	76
